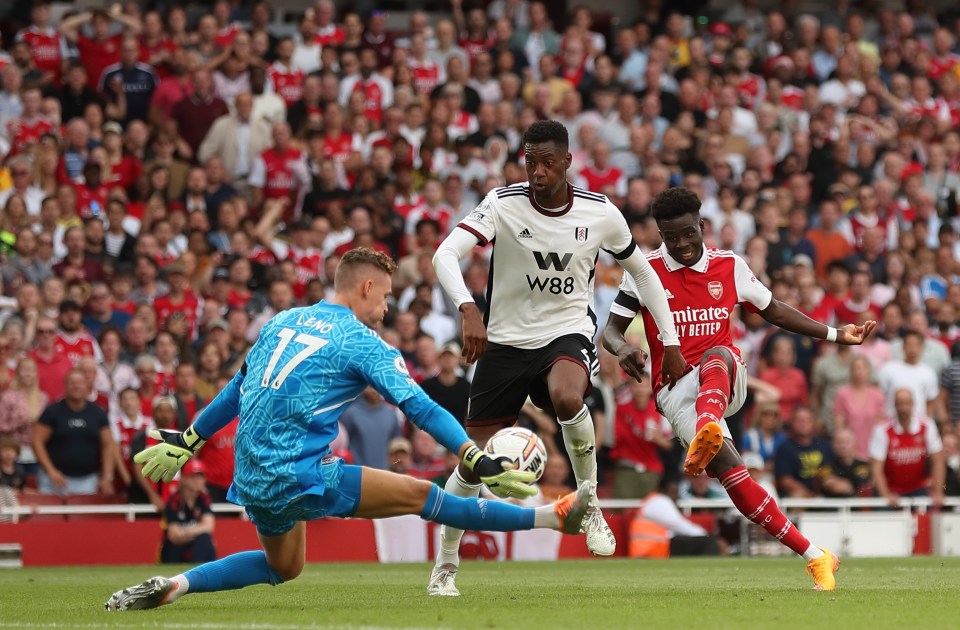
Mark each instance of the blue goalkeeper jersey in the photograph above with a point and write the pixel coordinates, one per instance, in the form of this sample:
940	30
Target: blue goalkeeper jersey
306	367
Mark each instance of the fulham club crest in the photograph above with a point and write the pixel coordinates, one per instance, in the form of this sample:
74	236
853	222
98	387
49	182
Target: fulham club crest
715	289
582	234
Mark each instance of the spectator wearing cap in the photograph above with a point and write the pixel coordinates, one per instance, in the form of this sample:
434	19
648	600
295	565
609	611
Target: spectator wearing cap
179	301
399	455
100	311
449	388
188	521
371	424
906	454
72	442
54	365
73	341
129	84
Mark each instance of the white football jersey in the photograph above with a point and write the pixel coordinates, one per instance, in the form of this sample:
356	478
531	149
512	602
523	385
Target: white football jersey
543	262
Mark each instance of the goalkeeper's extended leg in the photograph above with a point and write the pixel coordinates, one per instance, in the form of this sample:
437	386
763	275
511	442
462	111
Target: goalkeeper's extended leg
286	558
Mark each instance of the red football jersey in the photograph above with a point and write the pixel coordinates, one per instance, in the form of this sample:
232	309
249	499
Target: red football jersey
164	307
91	203
372	98
905	454
23	134
226	35
287	82
595	179
702	298
275	173
124	430
217	455
146	52
635	431
97	55
426	75
77	346
939	66
330	35
46	49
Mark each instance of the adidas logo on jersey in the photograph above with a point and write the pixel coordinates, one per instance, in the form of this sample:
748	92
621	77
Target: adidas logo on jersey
524	233
667	293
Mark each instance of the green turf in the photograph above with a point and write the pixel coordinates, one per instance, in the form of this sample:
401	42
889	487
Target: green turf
908	594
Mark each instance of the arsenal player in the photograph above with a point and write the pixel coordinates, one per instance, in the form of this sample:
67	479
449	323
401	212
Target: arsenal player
703	287
902	452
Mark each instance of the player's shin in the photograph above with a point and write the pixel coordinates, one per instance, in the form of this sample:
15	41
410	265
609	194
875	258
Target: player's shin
235	571
580	441
714	394
476	514
450	536
758	506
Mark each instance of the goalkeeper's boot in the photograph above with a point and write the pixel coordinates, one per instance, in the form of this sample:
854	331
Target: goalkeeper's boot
600	538
703	448
571	509
150	594
822	569
442	581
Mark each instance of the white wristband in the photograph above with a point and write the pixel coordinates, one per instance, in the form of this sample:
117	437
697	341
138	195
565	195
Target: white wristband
831	334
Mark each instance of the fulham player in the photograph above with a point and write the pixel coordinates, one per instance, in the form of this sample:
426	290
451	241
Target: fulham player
703	287
536	337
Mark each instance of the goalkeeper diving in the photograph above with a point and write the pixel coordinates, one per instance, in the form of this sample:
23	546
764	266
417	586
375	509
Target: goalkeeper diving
306	367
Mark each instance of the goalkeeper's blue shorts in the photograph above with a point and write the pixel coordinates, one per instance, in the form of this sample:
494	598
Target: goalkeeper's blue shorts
340	498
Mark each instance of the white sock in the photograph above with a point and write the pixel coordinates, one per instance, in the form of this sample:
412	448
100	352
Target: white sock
812	553
449	552
183	587
545	517
579	439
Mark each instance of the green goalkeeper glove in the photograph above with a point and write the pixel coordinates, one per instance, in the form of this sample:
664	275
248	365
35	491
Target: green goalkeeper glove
500	474
162	461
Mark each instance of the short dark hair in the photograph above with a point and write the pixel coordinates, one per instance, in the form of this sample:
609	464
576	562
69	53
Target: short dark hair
913	333
673	203
547	131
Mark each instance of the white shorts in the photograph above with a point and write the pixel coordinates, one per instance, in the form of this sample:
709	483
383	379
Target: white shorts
679	405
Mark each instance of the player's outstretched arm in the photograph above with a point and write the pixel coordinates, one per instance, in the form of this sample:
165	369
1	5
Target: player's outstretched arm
632	359
162	461
790	319
446	261
651	292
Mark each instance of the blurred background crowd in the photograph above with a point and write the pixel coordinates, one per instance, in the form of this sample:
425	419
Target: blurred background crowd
172	178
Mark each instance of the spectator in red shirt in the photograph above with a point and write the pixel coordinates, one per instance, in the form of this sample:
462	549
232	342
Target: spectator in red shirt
280	171
906	454
76	265
103	49
196	113
641	433
178	300
786	377
91	194
53	365
26	130
45	42
73	341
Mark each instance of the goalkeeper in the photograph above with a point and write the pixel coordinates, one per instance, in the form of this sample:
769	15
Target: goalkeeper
306	367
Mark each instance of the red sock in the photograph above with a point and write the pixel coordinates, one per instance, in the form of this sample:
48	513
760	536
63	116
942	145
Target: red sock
758	506
714	392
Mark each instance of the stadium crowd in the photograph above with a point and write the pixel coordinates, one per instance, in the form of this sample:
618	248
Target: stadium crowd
170	181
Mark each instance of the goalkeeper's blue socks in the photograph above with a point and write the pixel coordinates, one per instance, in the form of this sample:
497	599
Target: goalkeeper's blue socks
476	514
237	571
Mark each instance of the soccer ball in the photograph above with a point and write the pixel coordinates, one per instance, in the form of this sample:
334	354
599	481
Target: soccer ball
522	446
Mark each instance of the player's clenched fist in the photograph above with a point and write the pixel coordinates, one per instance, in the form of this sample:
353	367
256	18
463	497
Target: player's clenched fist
162	461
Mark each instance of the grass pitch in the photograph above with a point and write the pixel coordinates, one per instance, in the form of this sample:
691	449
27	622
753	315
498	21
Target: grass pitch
688	593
